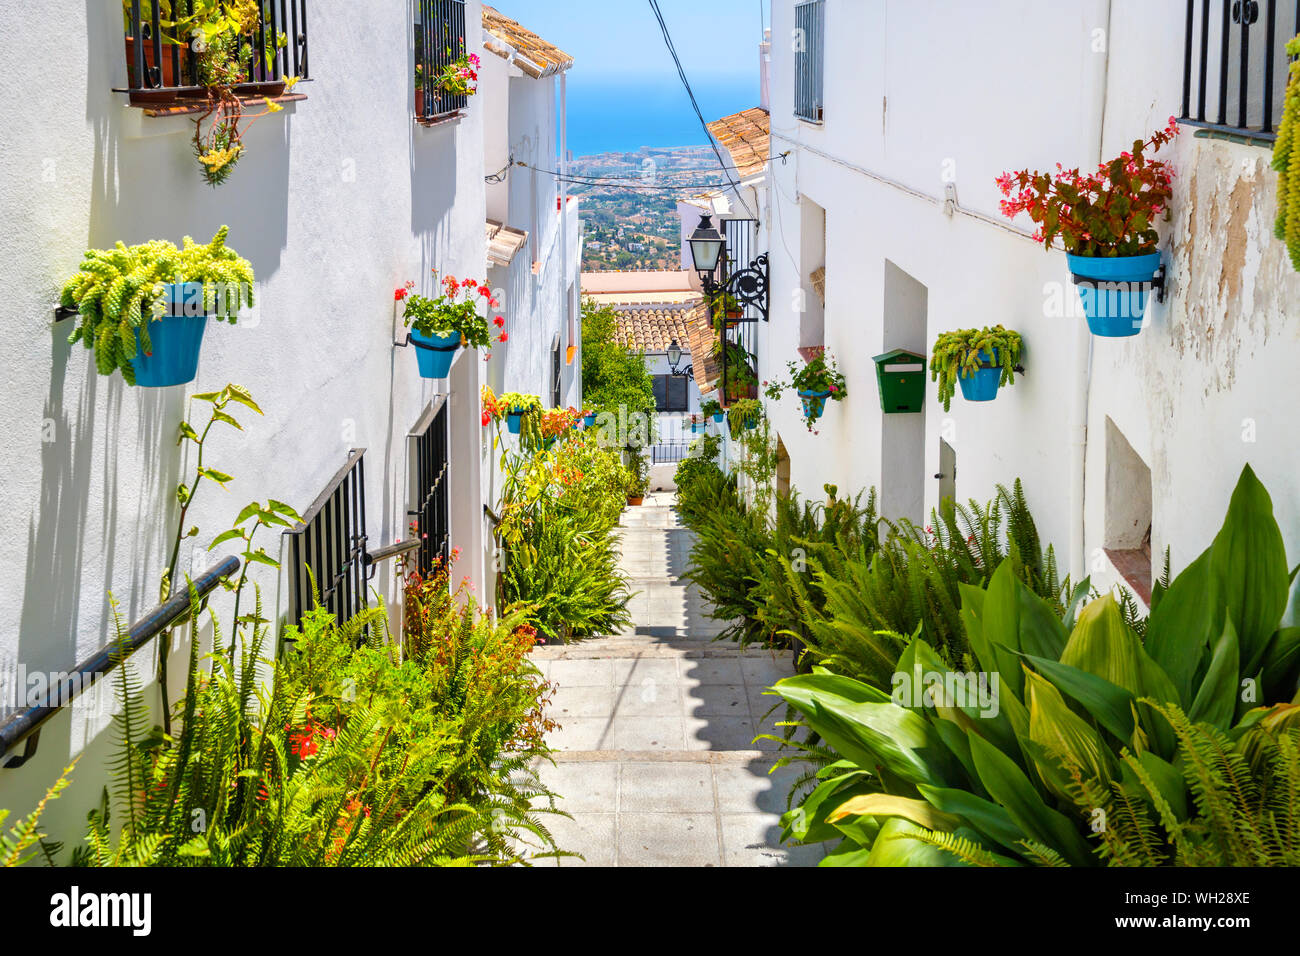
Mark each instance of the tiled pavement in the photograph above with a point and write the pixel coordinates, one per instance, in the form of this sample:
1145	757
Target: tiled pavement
656	758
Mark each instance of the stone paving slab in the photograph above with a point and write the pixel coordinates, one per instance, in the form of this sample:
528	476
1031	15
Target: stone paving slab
657	756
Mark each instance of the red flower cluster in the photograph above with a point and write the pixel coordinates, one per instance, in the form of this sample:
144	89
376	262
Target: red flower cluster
305	743
493	408
1107	213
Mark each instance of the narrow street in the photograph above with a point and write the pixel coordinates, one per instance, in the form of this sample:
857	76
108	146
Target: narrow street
656	758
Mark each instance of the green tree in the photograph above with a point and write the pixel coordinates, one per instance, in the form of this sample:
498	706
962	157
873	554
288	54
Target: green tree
612	376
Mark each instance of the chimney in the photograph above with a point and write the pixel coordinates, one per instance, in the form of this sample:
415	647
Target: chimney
764	68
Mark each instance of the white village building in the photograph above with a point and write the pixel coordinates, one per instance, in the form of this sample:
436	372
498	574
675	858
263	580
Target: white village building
356	187
879	212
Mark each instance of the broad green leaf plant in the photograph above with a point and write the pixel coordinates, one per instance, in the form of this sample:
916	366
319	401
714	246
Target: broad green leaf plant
1067	740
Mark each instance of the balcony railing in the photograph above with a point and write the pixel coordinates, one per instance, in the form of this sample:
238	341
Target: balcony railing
1235	64
439	42
162	64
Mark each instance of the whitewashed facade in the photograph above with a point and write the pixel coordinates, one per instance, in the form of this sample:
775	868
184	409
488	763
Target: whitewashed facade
892	192
339	201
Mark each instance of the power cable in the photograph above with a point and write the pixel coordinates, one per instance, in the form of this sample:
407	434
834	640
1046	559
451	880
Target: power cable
681	72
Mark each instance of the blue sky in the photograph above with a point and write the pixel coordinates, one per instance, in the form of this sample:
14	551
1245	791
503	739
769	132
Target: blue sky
623	88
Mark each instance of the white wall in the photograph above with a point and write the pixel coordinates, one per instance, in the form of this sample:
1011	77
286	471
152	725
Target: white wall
921	95
339	200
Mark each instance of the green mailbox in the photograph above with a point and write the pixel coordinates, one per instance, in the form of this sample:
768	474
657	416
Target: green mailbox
901	376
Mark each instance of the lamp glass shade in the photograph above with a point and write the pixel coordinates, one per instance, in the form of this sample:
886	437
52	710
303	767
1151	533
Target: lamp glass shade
706	245
674	353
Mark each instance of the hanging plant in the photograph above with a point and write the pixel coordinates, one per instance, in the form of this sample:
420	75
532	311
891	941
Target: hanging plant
1106	223
711	409
817	381
744	415
980	360
441	326
523	415
221	32
1286	160
127	295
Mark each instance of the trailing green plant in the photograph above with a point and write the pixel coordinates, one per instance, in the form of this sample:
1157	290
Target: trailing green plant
1286	159
528	407
743	415
960	354
118	291
1065	739
710	407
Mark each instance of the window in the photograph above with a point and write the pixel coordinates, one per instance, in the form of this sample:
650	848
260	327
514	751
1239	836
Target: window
671	393
809	62
1235	64
1127	532
439	42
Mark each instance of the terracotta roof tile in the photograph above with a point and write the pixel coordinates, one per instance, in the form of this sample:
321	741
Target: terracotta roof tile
746	136
700	334
534	55
652	327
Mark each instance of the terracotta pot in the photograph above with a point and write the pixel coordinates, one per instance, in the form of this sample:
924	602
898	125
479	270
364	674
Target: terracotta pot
167	92
635	499
419	102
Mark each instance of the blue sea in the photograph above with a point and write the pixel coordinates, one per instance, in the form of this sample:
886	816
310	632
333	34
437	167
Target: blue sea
617	115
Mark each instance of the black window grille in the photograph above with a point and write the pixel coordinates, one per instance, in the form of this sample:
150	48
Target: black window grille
330	546
429	481
162	62
671	393
439	42
1235	63
557	373
809	60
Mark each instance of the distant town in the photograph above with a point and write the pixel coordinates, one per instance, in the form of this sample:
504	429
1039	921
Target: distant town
634	227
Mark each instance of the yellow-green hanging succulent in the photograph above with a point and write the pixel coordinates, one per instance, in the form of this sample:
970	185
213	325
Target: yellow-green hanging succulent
1286	160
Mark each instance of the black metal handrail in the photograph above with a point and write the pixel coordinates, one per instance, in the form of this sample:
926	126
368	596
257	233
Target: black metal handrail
1257	81
439	42
26	724
153	57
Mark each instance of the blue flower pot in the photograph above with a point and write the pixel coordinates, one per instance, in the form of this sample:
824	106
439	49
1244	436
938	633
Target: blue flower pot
984	384
718	417
514	421
814	403
435	353
175	339
697	427
1114	291
589	421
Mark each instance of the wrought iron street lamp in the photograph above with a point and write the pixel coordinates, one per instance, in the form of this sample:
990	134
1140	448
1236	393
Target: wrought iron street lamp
706	248
674	356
